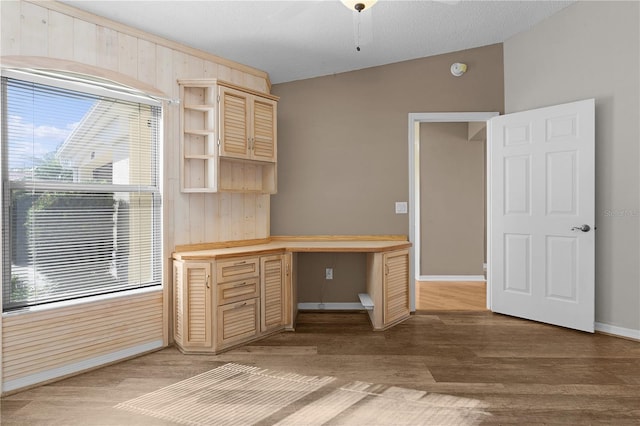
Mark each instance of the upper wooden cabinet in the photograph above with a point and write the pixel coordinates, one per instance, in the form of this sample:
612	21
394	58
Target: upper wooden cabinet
247	125
228	138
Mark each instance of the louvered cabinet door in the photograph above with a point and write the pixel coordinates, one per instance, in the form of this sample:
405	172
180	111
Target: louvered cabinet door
272	278
193	305
396	286
263	142
234	123
237	322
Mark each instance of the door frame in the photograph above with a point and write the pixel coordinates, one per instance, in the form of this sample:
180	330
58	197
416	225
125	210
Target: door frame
414	183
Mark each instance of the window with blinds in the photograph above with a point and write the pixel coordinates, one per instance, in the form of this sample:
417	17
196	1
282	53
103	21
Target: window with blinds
81	201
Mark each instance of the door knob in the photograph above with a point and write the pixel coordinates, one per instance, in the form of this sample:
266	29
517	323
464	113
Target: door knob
583	228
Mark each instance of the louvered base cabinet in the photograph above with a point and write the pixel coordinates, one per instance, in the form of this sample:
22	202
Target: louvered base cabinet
392	297
221	304
231	295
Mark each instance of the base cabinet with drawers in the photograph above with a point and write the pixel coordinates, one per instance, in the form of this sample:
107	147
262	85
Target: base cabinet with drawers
229	294
223	303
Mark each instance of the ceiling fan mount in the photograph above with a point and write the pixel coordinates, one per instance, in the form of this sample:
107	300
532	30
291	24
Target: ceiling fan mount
358	5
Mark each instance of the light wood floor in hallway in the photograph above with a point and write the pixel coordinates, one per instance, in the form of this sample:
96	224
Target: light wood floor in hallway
451	296
521	372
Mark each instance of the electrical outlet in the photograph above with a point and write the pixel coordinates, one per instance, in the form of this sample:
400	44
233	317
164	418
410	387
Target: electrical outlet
328	273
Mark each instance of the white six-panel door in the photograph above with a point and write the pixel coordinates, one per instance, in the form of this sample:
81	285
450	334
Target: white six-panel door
541	254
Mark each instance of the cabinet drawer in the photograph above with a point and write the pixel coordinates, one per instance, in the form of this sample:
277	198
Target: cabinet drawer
237	322
237	291
237	269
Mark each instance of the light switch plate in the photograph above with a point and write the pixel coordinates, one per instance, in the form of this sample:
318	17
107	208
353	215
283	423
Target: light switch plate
401	207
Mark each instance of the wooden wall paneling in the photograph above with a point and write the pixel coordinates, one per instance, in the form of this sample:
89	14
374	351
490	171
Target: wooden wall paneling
60	35
196	218
256	83
237	77
211	217
181	218
124	29
225	219
10	22
34	32
107	48
224	72
85	42
165	81
128	55
249	217
263	210
147	62
237	175
41	341
180	212
210	69
252	176
188	66
225	181
237	213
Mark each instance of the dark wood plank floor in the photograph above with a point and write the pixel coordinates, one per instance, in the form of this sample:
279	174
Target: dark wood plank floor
522	372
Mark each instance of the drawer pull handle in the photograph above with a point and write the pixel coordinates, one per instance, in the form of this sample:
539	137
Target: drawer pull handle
207	281
240	284
240	305
240	263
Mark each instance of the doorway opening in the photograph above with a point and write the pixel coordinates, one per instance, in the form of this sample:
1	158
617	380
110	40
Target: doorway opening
448	204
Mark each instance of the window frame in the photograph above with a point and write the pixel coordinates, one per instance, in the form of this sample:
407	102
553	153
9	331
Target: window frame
95	86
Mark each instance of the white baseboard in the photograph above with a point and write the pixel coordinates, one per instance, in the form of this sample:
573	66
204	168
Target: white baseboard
480	278
629	333
330	306
77	367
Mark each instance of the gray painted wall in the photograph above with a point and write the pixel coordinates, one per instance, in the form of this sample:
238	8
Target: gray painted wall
452	195
343	150
591	50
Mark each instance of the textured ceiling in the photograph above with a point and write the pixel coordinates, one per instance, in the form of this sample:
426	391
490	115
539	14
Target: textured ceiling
293	40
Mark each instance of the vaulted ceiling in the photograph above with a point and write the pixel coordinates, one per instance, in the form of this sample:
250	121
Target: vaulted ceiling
293	40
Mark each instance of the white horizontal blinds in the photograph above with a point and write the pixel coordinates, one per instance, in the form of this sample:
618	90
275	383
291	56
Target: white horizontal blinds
81	173
65	136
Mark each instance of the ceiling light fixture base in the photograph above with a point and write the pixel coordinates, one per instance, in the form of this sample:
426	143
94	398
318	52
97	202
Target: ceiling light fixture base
358	5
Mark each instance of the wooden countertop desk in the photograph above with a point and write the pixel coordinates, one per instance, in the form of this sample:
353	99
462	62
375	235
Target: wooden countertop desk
294	244
386	299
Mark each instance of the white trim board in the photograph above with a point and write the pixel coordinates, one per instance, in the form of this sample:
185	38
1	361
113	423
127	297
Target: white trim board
629	333
480	278
415	118
330	306
77	367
